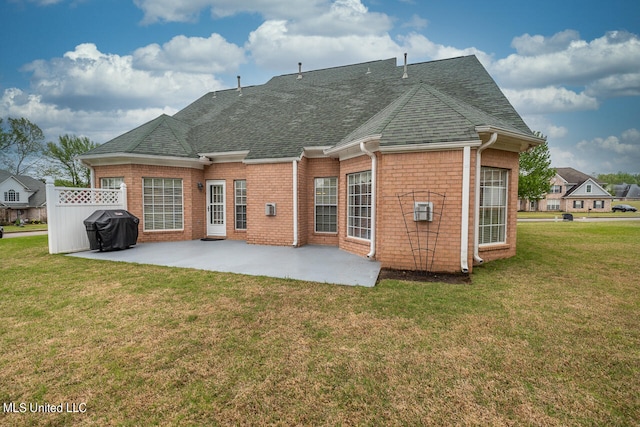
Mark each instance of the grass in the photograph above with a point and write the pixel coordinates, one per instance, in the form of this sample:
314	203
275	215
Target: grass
549	337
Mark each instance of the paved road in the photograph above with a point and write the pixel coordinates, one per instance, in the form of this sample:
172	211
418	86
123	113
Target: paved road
23	233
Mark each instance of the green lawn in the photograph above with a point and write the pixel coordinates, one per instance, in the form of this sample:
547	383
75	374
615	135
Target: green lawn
549	337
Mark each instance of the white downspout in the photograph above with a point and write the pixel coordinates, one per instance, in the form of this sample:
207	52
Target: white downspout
374	167
295	203
464	230
476	221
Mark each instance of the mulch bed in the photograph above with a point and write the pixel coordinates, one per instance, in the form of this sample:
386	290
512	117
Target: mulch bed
425	276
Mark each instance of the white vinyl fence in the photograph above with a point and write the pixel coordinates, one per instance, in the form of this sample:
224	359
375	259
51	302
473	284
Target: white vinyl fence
67	208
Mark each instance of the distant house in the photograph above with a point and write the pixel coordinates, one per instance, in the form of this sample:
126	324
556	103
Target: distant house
627	191
390	162
21	197
573	191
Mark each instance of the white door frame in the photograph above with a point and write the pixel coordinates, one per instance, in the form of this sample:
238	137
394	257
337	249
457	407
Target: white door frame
216	208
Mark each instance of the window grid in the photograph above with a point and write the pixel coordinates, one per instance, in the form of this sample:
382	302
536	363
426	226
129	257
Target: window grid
111	183
598	204
240	191
493	206
162	204
326	205
11	196
578	204
553	205
359	205
556	189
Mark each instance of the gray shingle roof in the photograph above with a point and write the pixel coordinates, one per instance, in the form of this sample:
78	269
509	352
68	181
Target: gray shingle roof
37	199
440	101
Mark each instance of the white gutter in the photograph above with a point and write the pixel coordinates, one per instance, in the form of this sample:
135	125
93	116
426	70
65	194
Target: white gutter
464	230
374	167
295	203
476	220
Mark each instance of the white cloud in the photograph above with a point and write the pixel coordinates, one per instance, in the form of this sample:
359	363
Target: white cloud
185	11
527	45
623	151
87	79
577	62
272	46
549	100
99	126
191	54
416	22
343	17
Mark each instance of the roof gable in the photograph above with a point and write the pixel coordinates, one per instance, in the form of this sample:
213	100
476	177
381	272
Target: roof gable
581	190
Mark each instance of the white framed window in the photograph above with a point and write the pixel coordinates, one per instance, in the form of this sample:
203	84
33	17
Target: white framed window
11	196
326	205
493	206
589	187
111	183
359	205
578	204
553	205
556	189
240	200
162	204
598	204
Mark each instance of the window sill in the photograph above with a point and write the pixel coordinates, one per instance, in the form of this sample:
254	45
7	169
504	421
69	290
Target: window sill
358	240
494	247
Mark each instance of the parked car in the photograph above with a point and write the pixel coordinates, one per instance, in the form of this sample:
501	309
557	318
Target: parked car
1	231
623	208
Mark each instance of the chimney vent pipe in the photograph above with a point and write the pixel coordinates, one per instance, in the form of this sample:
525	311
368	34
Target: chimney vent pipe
299	70
405	75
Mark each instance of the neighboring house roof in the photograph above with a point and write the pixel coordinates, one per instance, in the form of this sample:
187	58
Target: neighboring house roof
37	199
440	102
573	176
627	191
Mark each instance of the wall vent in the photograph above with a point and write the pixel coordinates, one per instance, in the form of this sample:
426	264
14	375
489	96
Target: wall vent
270	209
423	211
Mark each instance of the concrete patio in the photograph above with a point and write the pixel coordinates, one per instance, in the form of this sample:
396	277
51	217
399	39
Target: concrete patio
324	264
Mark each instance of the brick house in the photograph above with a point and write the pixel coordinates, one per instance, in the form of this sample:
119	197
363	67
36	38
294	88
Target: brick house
573	191
415	166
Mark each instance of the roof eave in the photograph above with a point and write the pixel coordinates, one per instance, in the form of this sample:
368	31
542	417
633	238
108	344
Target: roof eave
510	140
93	160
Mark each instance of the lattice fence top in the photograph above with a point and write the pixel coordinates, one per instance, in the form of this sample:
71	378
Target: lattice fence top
88	196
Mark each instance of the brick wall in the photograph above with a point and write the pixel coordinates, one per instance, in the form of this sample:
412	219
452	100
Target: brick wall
193	200
439	173
270	183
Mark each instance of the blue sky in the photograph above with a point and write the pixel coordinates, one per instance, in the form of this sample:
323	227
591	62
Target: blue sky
99	68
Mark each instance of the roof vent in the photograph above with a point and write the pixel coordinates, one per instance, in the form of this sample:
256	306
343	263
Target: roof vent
214	94
405	75
299	70
368	70
239	87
